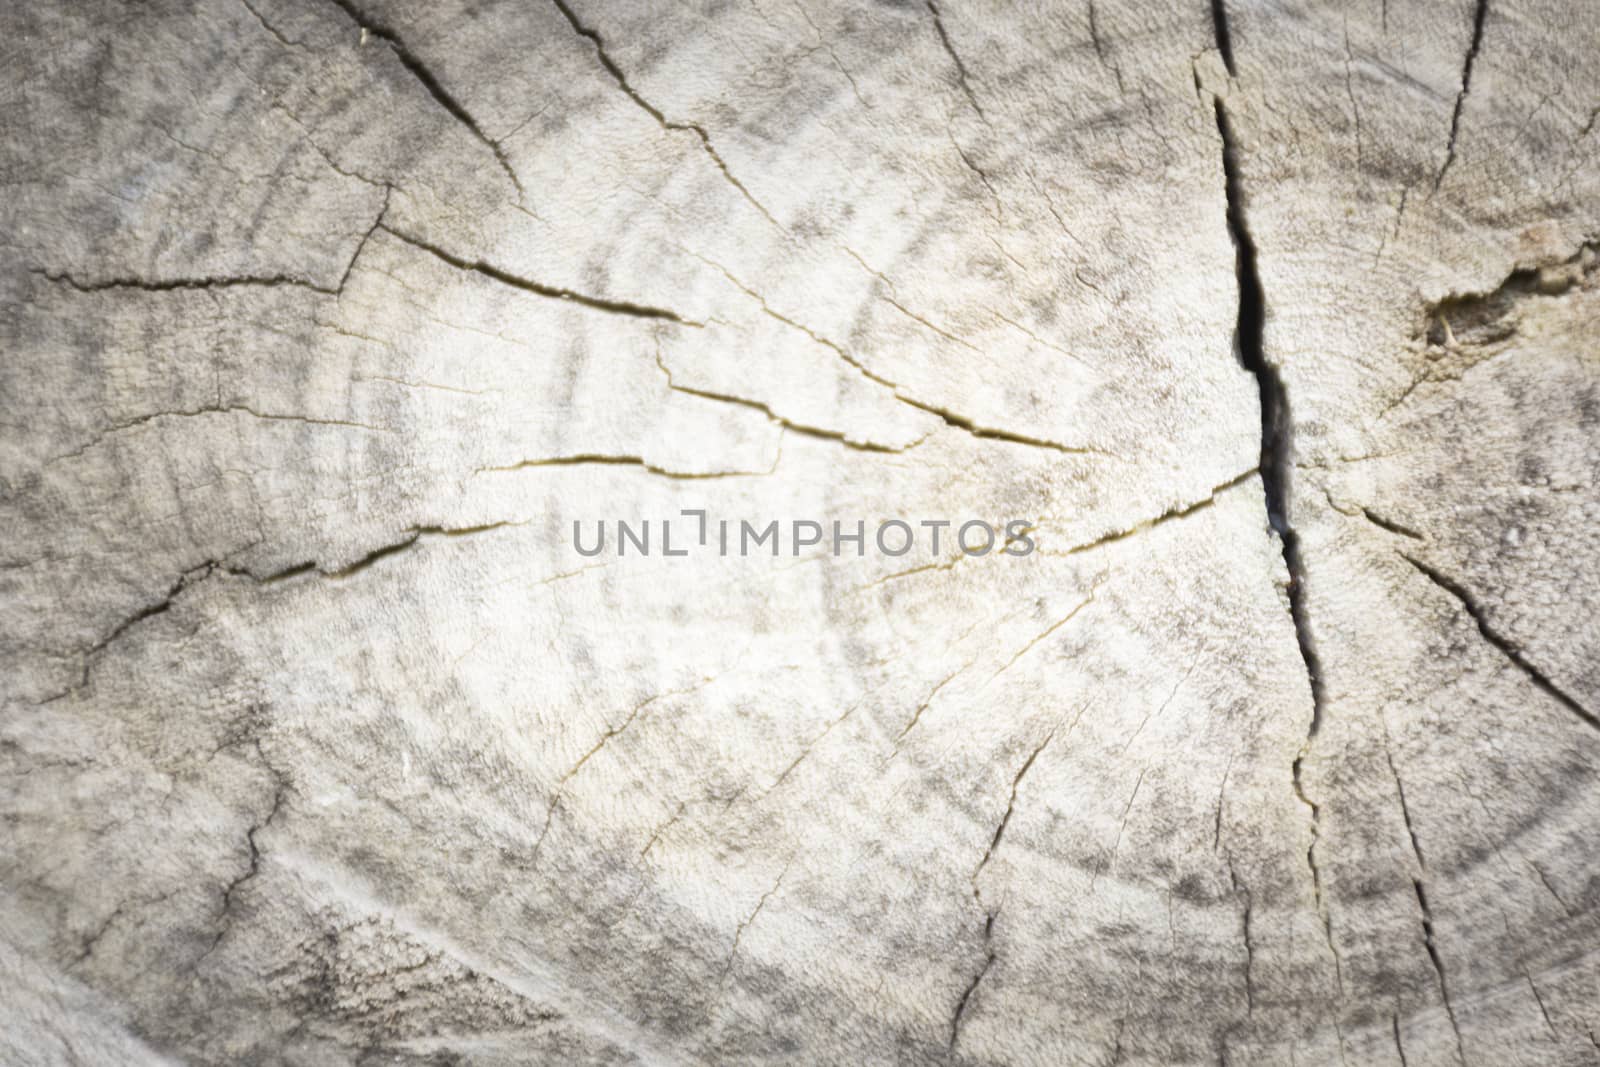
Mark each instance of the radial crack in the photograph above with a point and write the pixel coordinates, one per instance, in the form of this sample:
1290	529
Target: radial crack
961	68
1246	911
269	27
967	424
1219	26
488	270
159	607
617	75
1428	943
1475	611
802	429
414	535
1479	15
164	285
972	987
1011	806
916	716
1277	468
559	792
1177	511
1405	809
1058	624
950	418
738	933
1390	525
215	409
426	78
1277	444
253	866
598	459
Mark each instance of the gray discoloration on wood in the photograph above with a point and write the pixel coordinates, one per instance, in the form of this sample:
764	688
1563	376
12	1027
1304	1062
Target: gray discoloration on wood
324	320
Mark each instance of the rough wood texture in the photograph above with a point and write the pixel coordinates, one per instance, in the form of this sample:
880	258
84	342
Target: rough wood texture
323	319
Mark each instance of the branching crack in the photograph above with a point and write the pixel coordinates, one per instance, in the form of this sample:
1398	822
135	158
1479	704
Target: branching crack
1475	611
1479	15
92	939
916	716
950	418
430	82
92	654
617	75
361	246
195	575
221	281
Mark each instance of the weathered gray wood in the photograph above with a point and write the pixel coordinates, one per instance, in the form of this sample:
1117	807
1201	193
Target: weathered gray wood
324	319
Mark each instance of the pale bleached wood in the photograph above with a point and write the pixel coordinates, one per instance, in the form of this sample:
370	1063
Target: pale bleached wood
324	319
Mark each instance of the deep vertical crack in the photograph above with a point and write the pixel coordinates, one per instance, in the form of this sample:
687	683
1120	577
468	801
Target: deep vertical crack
1478	18
1219	26
1277	457
1277	445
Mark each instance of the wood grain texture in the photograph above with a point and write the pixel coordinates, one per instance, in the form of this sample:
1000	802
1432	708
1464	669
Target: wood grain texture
324	319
